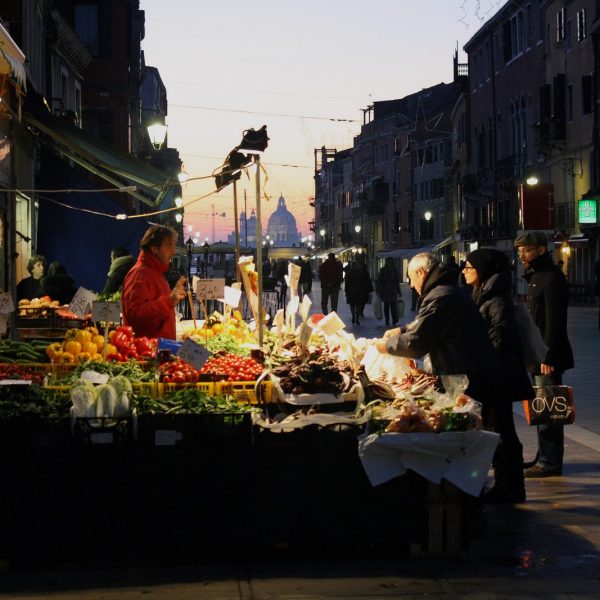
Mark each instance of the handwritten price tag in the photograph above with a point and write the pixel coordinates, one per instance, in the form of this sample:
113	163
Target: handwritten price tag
82	302
194	354
106	311
6	303
210	289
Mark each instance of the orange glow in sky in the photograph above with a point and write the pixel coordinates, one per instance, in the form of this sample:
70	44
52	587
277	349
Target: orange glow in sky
281	64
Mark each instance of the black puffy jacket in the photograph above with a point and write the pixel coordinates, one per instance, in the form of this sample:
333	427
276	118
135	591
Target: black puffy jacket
495	304
450	329
547	301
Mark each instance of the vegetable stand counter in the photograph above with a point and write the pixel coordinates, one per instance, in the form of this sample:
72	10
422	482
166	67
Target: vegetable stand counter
302	488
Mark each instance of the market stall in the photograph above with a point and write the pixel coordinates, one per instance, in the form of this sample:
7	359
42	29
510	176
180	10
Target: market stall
125	444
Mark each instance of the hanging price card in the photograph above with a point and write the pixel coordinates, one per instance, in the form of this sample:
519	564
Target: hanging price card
232	296
210	289
106	311
6	303
193	354
82	302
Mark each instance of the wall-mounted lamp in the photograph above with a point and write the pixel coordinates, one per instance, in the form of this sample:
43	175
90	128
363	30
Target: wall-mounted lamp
533	180
566	250
428	215
178	201
178	217
158	133
357	228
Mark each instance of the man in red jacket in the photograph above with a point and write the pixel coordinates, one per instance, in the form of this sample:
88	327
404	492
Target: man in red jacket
147	301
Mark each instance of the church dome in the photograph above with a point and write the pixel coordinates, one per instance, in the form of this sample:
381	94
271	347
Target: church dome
282	226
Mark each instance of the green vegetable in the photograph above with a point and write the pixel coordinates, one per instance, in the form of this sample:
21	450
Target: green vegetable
106	400
121	384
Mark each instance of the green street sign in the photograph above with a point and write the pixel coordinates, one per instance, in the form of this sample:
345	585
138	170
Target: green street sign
587	211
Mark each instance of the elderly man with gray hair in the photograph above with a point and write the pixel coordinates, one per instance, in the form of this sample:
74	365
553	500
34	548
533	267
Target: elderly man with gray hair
448	327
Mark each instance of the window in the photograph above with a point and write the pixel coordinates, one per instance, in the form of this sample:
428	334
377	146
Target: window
540	25
475	70
527	28
64	89
560	25
77	106
586	94
570	102
86	26
568	39
581	25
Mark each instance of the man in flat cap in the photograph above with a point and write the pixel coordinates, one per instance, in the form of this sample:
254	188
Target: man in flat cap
547	299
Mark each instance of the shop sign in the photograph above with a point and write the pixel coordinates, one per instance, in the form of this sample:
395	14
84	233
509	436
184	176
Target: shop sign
210	289
587	211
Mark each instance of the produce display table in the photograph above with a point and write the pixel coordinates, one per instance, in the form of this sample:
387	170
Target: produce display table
306	488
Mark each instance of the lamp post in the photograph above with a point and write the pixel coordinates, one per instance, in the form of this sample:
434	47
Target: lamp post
322	233
189	246
205	248
357	229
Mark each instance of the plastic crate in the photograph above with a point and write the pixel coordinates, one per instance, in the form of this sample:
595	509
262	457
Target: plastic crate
104	431
245	392
145	388
32	368
202	386
61	390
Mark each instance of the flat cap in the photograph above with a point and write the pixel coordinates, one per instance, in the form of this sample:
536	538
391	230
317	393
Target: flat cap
531	238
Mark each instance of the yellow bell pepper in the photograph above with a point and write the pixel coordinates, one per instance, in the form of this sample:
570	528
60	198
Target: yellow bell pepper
83	336
83	356
93	330
73	348
52	350
98	340
89	347
65	357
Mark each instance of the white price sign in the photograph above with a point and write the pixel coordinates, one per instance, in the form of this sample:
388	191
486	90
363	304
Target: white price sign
106	311
82	302
94	376
6	303
193	353
210	289
232	296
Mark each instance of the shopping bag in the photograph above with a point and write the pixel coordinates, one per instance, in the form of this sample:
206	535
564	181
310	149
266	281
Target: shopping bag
377	311
551	405
400	309
533	347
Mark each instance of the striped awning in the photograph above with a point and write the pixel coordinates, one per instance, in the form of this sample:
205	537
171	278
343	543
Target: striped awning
12	60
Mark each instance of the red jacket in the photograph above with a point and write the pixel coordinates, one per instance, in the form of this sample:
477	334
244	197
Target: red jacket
145	298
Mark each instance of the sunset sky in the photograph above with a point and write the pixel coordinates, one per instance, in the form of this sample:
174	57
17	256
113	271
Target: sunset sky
294	66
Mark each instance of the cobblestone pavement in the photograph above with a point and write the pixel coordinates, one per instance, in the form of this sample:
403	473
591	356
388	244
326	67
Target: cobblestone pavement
546	548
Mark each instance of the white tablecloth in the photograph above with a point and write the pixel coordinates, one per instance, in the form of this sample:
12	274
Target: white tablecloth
461	457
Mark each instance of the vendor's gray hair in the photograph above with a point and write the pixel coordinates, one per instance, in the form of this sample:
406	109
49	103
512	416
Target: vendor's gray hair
424	260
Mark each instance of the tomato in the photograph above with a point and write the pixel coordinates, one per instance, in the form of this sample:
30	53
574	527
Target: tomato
115	356
127	330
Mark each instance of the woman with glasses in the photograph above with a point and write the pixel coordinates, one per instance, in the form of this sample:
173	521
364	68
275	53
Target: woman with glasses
488	272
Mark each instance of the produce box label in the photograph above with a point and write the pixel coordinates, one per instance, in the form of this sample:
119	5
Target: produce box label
6	303
82	302
193	353
106	311
15	382
210	289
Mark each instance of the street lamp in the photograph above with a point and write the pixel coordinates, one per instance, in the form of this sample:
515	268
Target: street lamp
157	132
322	233
205	248
189	246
